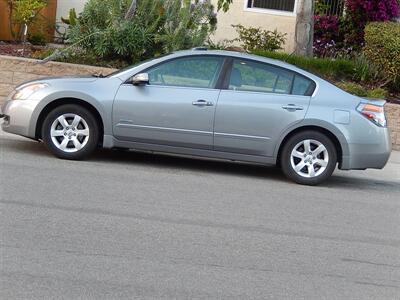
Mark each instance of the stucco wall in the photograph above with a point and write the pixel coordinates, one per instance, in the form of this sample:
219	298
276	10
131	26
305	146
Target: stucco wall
14	71
237	14
63	7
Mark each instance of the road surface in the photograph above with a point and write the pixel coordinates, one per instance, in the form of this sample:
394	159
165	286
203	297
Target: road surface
127	225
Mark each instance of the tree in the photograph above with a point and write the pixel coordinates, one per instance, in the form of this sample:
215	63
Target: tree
22	13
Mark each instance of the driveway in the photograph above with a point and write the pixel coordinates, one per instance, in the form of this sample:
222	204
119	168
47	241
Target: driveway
133	225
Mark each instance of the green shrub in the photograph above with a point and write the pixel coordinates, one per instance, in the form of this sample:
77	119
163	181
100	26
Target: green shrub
353	88
42	54
72	18
366	71
382	47
157	27
325	67
253	39
37	38
378	93
359	90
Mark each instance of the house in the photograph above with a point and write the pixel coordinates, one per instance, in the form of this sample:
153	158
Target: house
267	14
63	7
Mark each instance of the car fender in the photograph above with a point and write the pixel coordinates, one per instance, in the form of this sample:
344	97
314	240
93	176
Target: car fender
67	94
314	123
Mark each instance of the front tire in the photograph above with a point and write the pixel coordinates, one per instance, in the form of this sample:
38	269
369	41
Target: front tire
308	158
70	132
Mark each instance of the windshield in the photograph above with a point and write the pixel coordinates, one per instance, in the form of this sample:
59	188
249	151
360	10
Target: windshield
135	65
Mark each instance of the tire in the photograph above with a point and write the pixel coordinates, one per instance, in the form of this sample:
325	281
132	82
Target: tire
70	132
308	158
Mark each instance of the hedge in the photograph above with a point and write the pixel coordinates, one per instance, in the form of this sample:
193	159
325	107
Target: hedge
329	68
382	48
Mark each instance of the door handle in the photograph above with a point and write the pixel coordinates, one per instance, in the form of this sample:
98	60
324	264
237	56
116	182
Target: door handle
202	103
292	107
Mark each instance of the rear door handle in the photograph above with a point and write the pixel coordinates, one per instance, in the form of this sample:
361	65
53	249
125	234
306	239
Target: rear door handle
202	103
292	107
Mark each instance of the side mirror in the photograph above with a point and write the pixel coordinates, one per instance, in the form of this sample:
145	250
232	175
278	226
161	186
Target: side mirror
140	79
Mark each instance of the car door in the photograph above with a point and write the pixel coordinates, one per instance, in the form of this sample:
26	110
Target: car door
258	103
176	107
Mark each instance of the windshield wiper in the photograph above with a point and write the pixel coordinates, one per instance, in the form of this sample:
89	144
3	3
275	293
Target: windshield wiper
100	75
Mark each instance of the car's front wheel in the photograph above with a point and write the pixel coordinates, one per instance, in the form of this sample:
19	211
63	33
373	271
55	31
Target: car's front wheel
308	157
70	132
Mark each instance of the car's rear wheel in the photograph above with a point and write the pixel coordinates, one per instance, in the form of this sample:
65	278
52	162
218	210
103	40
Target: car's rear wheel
308	157
70	132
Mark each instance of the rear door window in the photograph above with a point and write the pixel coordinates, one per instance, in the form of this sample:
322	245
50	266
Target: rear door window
261	77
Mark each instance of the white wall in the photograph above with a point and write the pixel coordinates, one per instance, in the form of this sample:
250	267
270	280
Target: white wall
266	19
63	7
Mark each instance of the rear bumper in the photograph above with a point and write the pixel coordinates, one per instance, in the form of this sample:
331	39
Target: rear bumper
369	156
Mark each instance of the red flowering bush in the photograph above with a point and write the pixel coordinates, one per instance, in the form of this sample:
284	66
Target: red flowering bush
360	12
373	10
336	36
326	34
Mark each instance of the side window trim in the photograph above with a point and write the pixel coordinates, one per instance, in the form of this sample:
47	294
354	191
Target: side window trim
223	79
223	59
226	73
231	59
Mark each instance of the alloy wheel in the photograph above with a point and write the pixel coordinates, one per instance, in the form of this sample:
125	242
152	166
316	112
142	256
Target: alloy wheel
309	158
69	133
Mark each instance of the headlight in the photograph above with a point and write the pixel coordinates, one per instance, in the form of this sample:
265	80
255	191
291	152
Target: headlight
27	91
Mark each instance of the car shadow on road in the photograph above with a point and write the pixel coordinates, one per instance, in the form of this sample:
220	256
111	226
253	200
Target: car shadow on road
234	169
187	163
179	163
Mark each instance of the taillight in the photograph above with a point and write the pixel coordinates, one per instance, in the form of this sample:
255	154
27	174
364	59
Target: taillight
374	113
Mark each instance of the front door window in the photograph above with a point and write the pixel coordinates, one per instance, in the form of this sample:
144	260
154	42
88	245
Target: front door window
197	72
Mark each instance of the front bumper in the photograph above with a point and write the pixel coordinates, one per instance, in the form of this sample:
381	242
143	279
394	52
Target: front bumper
18	117
374	155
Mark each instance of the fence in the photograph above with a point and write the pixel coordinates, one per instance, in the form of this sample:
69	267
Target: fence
48	14
331	7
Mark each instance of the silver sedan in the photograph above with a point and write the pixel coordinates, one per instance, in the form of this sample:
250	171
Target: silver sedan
215	104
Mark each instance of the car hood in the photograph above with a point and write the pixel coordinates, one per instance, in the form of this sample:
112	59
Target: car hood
70	79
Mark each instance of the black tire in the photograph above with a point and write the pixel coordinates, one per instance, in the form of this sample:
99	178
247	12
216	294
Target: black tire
288	165
88	143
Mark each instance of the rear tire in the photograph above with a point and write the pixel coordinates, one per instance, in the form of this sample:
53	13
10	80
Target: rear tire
70	132
308	158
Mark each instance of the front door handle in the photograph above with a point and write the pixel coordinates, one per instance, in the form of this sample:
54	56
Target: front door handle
292	107
202	103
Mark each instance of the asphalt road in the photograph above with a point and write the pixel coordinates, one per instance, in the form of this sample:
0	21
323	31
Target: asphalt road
140	226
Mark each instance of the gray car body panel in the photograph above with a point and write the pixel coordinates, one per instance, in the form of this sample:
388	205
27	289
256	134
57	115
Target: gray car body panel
231	135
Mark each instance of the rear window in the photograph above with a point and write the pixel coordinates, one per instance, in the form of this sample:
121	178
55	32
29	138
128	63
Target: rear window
302	86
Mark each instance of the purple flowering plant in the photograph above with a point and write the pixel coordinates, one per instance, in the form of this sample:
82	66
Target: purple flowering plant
335	35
